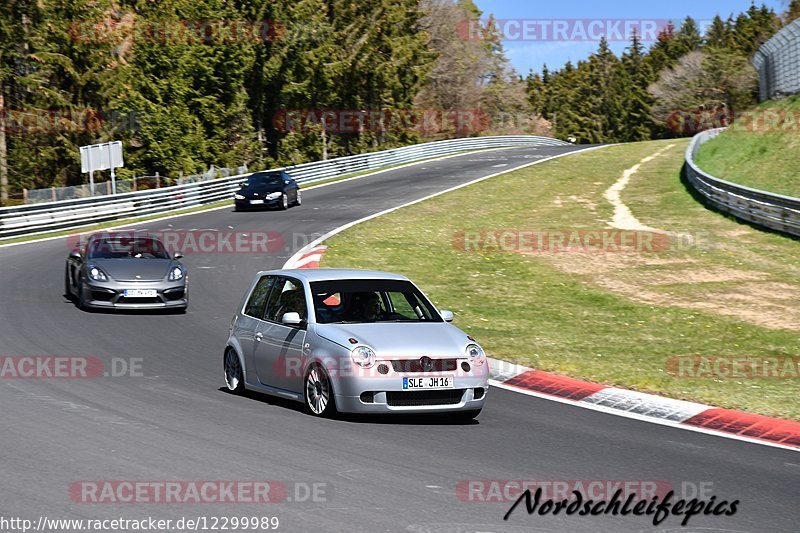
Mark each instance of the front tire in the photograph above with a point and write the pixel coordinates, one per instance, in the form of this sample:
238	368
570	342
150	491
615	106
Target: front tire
81	296
234	376
318	392
298	200
67	284
284	201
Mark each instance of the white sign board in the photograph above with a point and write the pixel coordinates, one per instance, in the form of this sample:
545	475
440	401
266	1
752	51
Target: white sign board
101	156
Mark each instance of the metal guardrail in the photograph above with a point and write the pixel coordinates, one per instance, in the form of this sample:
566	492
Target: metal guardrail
41	218
102	188
773	211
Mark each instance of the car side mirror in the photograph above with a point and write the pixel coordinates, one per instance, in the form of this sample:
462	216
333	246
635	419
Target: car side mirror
75	254
177	255
291	319
447	316
242	184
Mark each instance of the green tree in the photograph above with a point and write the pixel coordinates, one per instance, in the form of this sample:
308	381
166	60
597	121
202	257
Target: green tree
687	38
637	102
719	34
792	13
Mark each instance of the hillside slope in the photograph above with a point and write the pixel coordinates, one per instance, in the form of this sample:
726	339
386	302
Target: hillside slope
761	150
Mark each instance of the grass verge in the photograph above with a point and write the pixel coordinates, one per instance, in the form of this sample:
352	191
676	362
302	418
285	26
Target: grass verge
614	318
760	150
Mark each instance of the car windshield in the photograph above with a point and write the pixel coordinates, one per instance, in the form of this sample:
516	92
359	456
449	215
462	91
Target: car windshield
264	179
127	248
370	300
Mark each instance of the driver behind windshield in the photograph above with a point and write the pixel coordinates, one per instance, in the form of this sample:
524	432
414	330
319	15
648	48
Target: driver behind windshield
127	248
365	307
264	179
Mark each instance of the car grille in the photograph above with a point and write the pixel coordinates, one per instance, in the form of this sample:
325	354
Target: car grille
103	296
413	365
123	300
173	294
422	398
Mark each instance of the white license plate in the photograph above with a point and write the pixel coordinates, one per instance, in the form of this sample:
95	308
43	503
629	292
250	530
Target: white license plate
429	383
256	202
140	293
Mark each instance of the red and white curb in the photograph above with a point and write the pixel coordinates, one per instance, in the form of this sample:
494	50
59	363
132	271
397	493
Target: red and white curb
622	402
691	416
307	258
648	407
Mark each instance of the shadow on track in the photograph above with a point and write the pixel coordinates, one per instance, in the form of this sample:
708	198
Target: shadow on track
437	419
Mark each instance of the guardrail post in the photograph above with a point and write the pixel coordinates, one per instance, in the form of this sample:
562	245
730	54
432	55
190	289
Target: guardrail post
134	184
158	181
24	195
53	193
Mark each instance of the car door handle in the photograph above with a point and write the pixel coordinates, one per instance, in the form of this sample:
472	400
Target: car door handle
259	336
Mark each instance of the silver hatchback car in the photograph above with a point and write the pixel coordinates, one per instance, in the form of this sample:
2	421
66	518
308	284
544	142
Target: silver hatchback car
353	341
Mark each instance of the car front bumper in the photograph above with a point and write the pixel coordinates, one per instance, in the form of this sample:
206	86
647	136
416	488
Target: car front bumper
385	394
111	295
382	404
245	204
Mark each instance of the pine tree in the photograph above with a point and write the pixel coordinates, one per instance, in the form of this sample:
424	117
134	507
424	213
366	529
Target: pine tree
662	53
719	34
792	13
637	103
687	39
536	88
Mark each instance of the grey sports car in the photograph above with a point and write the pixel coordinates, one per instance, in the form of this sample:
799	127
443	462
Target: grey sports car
125	271
353	341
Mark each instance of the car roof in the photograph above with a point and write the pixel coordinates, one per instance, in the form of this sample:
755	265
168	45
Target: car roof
268	173
324	274
139	234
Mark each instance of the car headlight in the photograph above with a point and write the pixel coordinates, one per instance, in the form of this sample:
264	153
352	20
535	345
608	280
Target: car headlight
274	195
175	274
238	196
475	354
363	356
96	274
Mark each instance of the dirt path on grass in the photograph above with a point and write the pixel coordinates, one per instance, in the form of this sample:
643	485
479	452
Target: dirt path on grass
679	279
623	217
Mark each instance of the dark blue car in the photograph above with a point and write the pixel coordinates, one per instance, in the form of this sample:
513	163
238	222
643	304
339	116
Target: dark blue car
271	188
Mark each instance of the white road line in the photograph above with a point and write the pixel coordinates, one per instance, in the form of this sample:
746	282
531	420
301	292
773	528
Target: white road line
333	232
228	206
636	416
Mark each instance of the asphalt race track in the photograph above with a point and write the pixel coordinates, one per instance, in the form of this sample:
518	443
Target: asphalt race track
176	422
